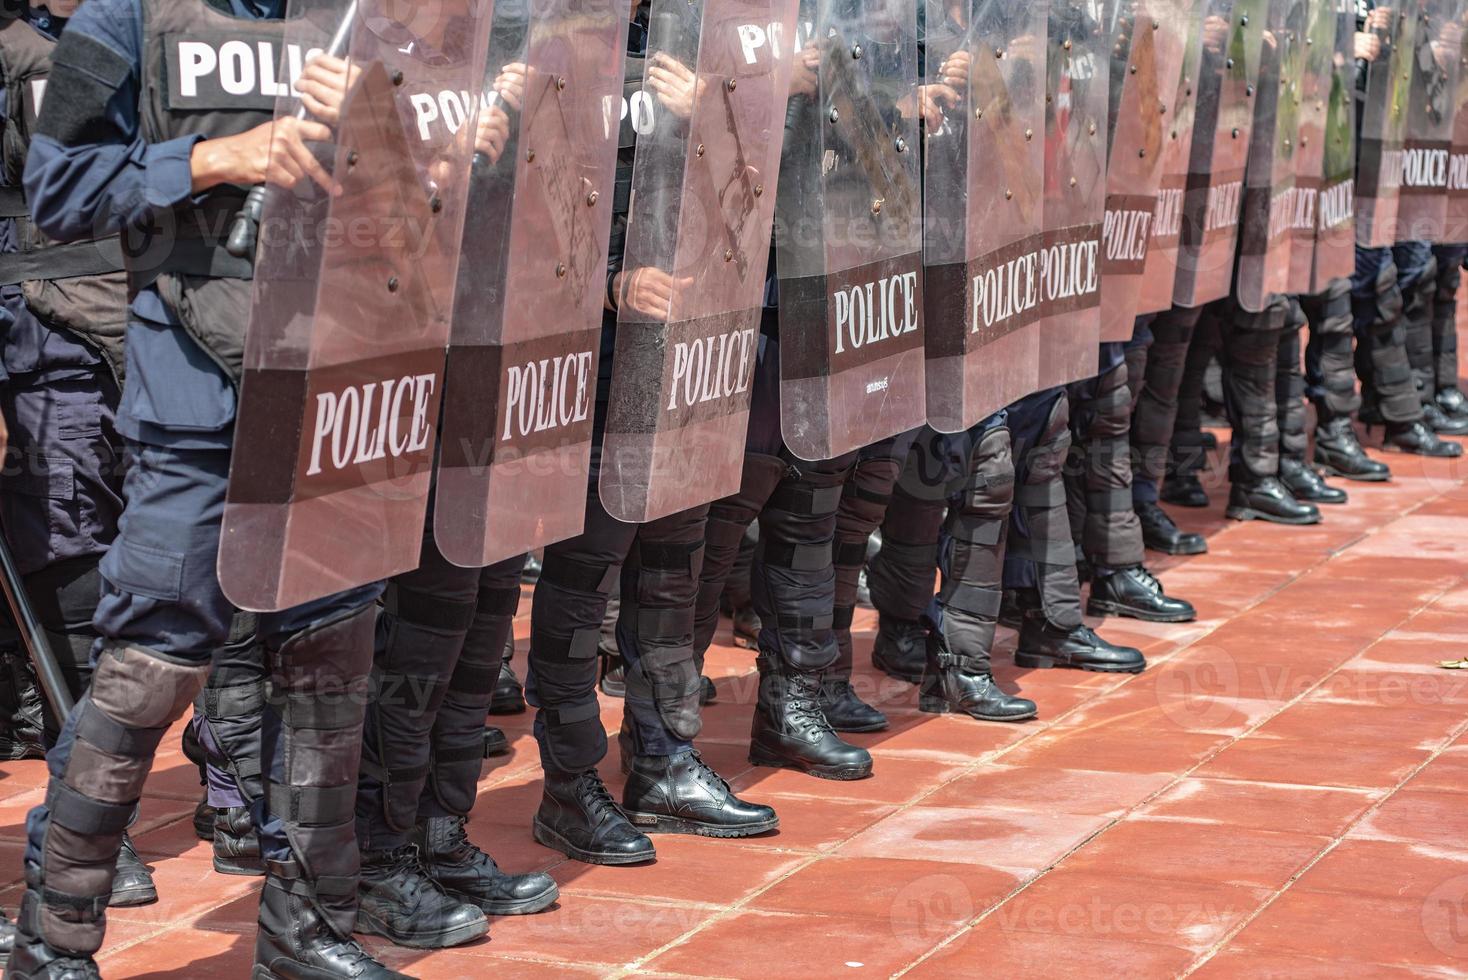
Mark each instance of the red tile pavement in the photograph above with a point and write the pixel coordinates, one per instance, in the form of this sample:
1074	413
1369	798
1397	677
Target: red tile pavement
1281	795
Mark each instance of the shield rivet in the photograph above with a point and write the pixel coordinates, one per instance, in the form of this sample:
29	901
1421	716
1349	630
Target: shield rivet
1235	133
1066	44
352	157
699	151
856	52
1142	152
392	284
1248	90
1029	135
732	84
1072	182
561	83
1244	20
835	115
1132	70
901	145
998	53
435	204
560	270
1229	63
728	255
592	198
397	77
877	206
1008	194
759	190
530	156
978	113
1092	130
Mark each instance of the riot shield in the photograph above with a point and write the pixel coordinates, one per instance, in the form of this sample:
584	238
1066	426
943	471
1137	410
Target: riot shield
1422	208
520	381
1076	83
850	233
1146	61
1383	126
982	170
351	307
1314	112
698	234
1267	209
1160	266
1456	224
1227	74
1335	206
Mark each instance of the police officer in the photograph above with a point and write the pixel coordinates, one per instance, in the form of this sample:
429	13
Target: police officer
1442	380
670	788
1330	384
119	145
1295	471
1155	428
1432	340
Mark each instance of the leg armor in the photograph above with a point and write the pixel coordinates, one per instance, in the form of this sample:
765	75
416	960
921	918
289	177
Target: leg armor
1387	387
1289	388
233	703
1041	551
456	750
1417	307
900	576
728	520
864	502
1099	479
1329	356
1445	315
972	553
1157	395
1249	355
1187	451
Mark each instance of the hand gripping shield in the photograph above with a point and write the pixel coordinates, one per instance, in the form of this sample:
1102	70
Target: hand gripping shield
849	240
698	235
352	301
1316	73
1383	127
1335	206
1267	209
1456	224
1146	60
1426	145
520	384
1227	75
1076	81
1160	266
983	169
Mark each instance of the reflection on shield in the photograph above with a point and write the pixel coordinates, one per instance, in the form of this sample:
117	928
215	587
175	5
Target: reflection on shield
1382	130
1456	222
1146	60
353	296
850	233
520	387
1431	103
982	170
1317	76
703	193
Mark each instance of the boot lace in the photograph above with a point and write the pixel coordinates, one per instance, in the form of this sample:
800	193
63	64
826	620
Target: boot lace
1141	574
594	793
705	773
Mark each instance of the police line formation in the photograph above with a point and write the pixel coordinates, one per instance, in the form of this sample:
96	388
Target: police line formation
692	297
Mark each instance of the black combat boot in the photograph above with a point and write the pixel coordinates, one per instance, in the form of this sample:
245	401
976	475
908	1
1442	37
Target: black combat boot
1304	483
613	680
1452	402
682	794
1418	439
495	742
204	820
396	899
1338	453
579	818
900	648
132	882
746	627
509	694
845	711
236	845
1042	644
1137	593
468	874
1267	499
293	941
1440	422
37	961
953	683
1160	533
1184	490
790	732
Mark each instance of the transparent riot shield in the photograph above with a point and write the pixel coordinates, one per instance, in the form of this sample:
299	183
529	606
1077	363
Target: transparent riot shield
1383	126
520	382
983	168
1227	76
1160	267
850	233
1335	206
352	301
1456	224
1076	82
703	193
1316	74
1146	60
1267	208
1427	141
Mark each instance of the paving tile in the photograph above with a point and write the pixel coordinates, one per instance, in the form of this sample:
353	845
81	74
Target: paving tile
1185	850
593	930
895	779
1314	762
1421	725
1447	771
181	954
1064	790
1419	815
1024	841
1385	869
1186	914
1263	806
1361	929
795	946
810	823
989	950
1232	964
688	869
891	890
1115	752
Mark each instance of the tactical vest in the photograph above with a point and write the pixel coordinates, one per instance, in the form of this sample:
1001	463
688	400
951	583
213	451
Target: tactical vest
78	287
206	288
